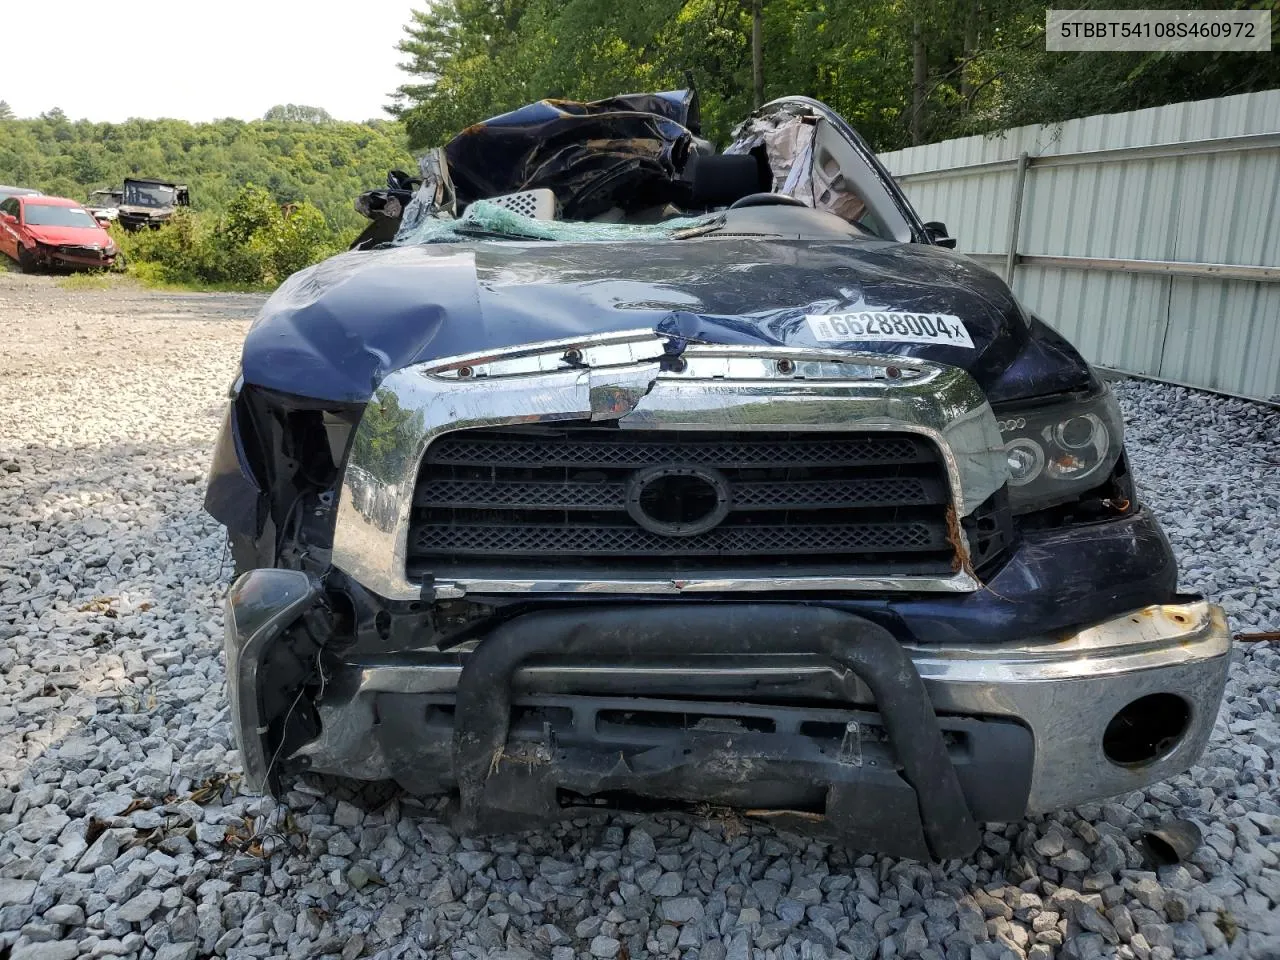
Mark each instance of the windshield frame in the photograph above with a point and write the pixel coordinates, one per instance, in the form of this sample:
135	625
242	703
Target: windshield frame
152	195
66	214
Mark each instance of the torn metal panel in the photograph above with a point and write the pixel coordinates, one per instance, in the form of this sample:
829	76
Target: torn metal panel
799	170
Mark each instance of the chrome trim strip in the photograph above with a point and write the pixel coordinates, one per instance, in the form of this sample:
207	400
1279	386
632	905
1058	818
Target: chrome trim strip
959	582
697	387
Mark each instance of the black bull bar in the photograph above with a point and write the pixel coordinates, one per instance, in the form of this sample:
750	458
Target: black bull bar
484	694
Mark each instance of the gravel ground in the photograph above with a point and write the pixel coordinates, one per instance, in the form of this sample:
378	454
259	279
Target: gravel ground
121	836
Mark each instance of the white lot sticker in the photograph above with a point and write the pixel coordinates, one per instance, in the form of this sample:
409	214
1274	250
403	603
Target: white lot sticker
878	327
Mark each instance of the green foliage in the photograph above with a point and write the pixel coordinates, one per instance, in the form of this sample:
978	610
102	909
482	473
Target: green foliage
290	243
325	164
6	112
985	63
297	113
254	244
250	211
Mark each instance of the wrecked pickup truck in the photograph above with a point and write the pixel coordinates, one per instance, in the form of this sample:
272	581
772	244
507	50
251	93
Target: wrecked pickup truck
150	203
631	473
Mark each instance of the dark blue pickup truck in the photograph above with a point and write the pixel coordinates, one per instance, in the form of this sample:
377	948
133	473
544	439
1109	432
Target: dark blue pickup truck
629	472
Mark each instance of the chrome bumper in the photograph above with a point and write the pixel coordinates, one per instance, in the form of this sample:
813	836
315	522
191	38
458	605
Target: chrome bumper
1065	689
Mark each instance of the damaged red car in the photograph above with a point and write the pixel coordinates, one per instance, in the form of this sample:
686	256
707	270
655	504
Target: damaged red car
53	232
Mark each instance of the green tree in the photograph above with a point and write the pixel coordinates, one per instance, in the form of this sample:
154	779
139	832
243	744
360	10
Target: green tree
325	164
297	113
6	112
901	71
251	210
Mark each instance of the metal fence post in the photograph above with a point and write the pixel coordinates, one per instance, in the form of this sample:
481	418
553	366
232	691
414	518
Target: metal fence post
1015	218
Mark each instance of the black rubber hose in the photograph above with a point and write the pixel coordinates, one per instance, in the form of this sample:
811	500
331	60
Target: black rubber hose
484	695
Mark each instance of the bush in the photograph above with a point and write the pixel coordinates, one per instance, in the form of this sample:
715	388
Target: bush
254	244
290	243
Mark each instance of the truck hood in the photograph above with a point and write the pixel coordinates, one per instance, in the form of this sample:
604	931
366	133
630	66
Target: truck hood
335	330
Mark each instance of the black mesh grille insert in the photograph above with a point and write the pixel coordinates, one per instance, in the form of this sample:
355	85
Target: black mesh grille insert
481	448
526	500
595	541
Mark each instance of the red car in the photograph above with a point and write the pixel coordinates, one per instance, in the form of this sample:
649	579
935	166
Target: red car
53	232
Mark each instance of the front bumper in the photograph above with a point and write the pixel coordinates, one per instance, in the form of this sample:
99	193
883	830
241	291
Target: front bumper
1021	724
55	257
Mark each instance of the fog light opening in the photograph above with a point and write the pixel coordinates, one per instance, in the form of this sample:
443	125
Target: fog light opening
1146	730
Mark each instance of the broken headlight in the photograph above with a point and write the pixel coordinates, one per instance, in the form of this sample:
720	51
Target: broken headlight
1057	450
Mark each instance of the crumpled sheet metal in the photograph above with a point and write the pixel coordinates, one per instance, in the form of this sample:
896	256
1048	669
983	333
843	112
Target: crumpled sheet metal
788	141
434	196
334	330
593	155
484	216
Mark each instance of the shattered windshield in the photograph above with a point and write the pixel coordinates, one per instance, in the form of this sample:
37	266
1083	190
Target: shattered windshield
148	195
635	167
485	219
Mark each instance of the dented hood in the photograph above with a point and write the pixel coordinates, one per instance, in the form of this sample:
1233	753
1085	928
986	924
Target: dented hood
334	331
62	236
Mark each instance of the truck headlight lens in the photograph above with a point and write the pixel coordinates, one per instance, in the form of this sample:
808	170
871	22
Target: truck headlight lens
1058	449
1026	460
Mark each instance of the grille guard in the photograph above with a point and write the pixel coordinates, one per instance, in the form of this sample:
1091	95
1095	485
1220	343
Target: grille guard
644	381
484	697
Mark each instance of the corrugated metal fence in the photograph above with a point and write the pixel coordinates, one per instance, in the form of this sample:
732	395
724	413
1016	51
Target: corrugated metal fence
1151	239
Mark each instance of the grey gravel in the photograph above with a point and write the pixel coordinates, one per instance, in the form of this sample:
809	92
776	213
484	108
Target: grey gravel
113	718
60	950
605	947
16	891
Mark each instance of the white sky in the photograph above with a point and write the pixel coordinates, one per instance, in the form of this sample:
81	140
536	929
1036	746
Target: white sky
201	60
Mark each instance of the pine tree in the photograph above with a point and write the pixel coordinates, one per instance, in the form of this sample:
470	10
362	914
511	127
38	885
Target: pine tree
6	112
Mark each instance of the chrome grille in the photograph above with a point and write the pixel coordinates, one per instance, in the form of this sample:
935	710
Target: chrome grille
538	498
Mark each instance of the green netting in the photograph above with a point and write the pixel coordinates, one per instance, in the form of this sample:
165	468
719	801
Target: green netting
484	218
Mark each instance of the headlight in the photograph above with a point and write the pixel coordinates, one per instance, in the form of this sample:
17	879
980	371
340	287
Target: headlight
1057	450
